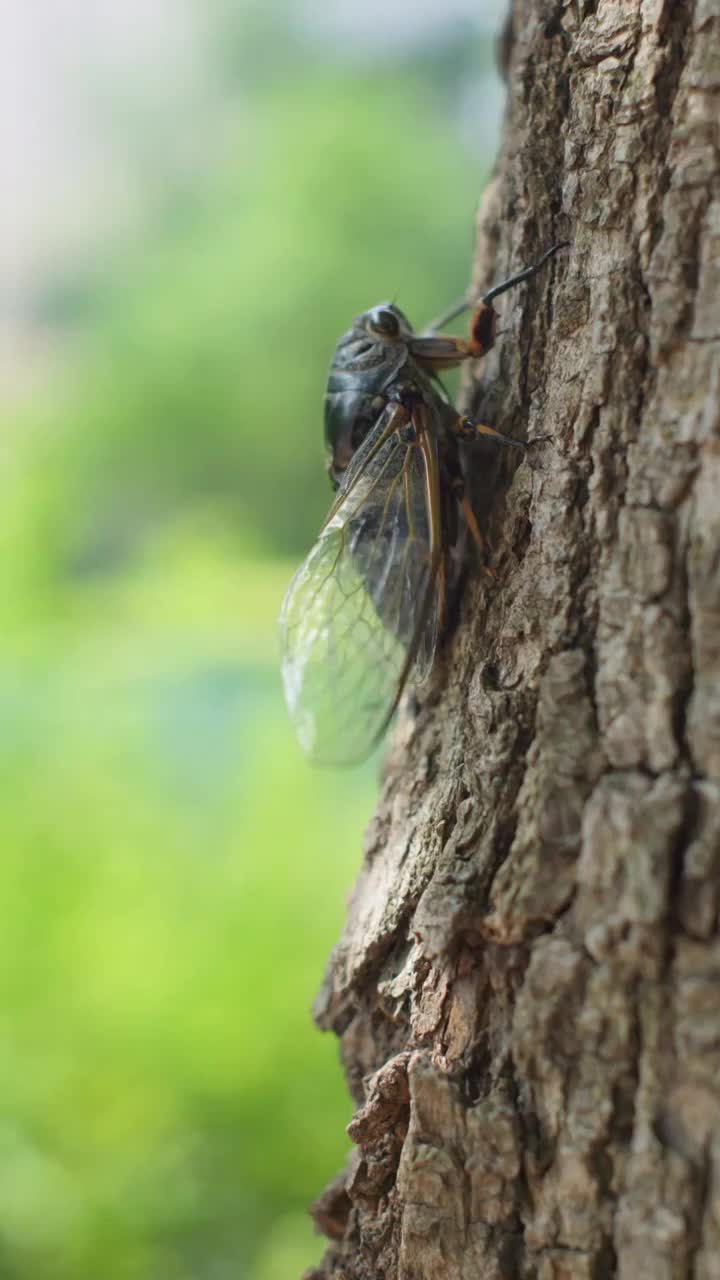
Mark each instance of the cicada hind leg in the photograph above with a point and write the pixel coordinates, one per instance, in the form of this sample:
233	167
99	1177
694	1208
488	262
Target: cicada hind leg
455	482
465	428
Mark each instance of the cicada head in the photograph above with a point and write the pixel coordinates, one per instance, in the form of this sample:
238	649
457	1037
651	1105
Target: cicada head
366	360
385	322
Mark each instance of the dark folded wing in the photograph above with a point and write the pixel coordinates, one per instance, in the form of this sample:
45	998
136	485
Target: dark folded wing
365	607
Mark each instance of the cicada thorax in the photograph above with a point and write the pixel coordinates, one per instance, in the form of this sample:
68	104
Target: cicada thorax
363	368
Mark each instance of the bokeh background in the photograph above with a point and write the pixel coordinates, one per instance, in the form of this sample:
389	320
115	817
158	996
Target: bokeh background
198	195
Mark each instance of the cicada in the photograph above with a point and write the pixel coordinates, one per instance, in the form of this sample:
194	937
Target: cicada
364	613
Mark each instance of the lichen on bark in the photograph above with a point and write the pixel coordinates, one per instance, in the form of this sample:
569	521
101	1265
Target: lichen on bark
527	990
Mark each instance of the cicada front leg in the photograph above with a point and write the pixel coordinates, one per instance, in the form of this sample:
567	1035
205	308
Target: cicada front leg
437	353
466	429
483	324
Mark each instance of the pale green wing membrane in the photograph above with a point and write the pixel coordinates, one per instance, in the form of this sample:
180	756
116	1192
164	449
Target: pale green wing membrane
364	608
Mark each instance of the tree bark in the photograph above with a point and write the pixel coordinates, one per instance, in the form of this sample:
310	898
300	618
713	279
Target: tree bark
527	990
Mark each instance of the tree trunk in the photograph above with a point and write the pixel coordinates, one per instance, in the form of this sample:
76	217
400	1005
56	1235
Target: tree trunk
527	990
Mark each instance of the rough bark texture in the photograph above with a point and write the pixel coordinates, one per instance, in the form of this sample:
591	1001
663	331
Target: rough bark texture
528	987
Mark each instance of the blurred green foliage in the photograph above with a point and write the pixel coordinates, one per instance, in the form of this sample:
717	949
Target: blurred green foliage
173	875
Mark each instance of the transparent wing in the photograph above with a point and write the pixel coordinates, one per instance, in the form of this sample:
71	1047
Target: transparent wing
365	607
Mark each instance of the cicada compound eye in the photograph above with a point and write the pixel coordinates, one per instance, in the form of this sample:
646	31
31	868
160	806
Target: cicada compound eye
383	320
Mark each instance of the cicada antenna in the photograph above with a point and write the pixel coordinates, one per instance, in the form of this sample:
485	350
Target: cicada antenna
527	274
